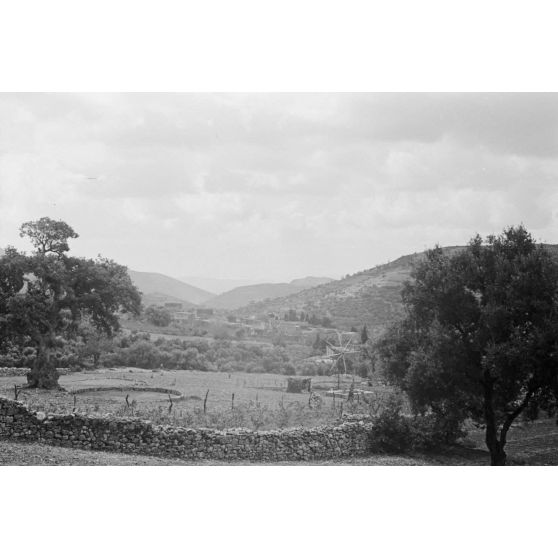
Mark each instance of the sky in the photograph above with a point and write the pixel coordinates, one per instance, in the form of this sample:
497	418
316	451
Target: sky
276	186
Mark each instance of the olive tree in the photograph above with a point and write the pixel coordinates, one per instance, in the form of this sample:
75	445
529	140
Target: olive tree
479	339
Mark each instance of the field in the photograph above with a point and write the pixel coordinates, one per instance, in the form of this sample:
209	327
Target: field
260	400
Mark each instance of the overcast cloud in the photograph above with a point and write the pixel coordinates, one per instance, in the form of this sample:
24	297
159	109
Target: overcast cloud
276	186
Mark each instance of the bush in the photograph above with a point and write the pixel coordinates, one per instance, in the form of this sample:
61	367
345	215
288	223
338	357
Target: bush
395	432
158	316
391	430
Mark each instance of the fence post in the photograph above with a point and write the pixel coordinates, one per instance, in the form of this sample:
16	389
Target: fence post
205	402
232	401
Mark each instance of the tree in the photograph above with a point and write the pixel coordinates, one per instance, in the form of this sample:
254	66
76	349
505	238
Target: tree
48	236
318	343
158	316
45	296
479	339
364	335
94	343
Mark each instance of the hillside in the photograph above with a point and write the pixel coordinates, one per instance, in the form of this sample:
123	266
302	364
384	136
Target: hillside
241	296
164	286
159	299
371	297
308	282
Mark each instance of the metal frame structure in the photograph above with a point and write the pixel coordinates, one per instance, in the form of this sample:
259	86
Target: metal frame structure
338	352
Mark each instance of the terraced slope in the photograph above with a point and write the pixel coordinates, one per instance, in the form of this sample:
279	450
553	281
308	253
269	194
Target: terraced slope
371	297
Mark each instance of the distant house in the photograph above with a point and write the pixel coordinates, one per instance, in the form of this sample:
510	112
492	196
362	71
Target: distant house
204	312
184	317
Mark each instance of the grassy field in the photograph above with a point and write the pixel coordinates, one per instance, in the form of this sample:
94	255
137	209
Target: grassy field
260	400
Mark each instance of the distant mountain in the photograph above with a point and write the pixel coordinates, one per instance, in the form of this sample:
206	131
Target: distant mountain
241	296
218	286
162	285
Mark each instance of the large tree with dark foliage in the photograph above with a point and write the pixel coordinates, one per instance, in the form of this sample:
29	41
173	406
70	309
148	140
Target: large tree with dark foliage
479	339
46	295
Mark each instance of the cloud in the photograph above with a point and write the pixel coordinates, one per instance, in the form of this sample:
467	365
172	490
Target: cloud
280	184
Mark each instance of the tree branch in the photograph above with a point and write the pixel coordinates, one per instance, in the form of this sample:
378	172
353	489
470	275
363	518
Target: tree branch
512	416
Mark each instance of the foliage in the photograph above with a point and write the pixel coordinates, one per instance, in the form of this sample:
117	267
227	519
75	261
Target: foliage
479	338
46	296
364	335
393	431
139	350
48	235
158	316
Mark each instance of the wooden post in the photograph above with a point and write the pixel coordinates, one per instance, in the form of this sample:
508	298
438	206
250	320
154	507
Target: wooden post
127	399
205	402
333	399
232	401
16	391
170	401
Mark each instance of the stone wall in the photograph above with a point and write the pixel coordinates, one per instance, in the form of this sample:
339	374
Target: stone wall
142	437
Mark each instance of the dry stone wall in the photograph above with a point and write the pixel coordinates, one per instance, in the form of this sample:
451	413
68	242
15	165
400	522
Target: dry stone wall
142	437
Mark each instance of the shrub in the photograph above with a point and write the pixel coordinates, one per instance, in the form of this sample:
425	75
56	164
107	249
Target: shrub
395	432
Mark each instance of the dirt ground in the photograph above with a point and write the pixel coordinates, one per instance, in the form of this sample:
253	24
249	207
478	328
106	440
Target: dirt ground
22	453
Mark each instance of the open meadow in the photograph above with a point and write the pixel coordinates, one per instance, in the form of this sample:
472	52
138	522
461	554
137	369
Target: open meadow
195	398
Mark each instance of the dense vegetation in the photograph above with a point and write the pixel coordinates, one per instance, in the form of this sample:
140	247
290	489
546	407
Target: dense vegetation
45	297
480	338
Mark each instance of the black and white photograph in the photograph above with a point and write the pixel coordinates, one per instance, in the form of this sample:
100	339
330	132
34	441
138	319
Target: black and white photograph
278	280
341	278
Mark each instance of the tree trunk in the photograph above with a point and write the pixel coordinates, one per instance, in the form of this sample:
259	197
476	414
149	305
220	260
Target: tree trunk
43	373
498	456
495	446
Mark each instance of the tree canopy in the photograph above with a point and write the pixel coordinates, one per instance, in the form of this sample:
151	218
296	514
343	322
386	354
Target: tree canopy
479	339
158	316
48	235
45	296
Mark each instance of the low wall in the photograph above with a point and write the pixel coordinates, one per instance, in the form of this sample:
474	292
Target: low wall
142	437
128	389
